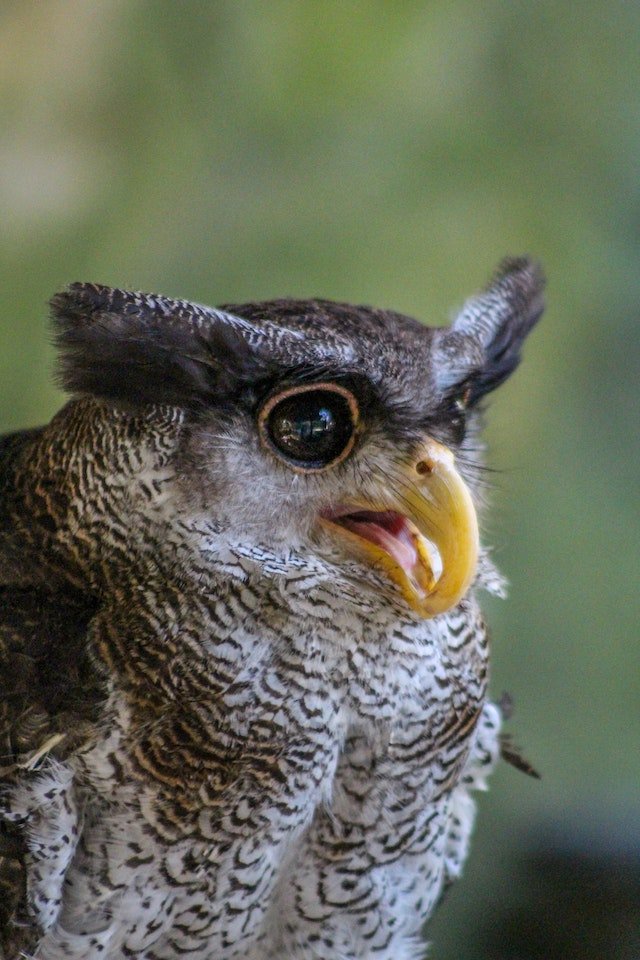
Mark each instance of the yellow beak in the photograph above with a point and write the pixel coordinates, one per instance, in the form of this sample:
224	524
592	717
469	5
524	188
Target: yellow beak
430	546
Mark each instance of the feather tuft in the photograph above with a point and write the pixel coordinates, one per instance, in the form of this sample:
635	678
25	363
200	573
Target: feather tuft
141	348
483	345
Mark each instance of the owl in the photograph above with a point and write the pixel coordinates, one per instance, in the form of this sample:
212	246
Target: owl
243	667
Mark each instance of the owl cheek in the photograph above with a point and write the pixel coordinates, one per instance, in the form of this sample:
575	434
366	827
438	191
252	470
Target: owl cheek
423	534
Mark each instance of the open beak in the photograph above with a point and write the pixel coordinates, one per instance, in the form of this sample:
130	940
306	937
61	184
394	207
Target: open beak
424	536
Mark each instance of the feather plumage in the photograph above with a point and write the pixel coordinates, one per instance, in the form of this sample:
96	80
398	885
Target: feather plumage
222	735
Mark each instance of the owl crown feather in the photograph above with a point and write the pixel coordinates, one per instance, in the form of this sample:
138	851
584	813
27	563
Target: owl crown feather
141	348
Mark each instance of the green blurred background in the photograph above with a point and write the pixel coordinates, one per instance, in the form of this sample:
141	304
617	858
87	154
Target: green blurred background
387	153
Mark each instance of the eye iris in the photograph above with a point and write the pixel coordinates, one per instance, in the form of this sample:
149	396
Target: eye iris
312	428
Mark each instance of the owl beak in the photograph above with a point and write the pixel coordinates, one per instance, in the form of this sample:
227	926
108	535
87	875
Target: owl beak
424	536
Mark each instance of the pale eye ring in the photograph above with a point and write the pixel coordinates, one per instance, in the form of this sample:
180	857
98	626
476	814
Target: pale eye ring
310	427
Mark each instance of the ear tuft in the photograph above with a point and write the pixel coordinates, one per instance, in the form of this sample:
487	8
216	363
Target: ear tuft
141	348
484	342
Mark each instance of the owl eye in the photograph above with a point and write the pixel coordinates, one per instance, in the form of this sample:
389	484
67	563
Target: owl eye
310	427
454	415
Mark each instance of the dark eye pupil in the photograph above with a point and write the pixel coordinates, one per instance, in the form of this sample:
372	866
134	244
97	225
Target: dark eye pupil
311	428
457	416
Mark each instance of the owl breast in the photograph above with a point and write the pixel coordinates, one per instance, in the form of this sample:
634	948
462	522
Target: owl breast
297	785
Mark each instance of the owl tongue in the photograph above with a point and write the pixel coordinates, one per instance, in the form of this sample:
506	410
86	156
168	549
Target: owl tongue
387	529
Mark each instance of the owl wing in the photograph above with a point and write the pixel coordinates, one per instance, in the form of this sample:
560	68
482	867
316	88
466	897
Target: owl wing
50	693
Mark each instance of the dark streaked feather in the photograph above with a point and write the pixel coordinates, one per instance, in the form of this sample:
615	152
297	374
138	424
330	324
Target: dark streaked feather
518	283
51	691
512	754
509	751
139	348
482	347
50	696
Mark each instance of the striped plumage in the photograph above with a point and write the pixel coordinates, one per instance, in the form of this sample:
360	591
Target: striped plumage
225	734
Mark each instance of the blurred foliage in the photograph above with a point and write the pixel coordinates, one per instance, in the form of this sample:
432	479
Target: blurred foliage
389	154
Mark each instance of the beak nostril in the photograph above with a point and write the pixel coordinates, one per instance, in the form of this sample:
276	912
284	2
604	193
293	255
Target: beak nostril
423	467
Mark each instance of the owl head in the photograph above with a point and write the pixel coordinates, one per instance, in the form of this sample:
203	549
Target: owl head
339	432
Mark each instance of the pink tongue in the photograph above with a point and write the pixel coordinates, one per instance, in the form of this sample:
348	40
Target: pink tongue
395	538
